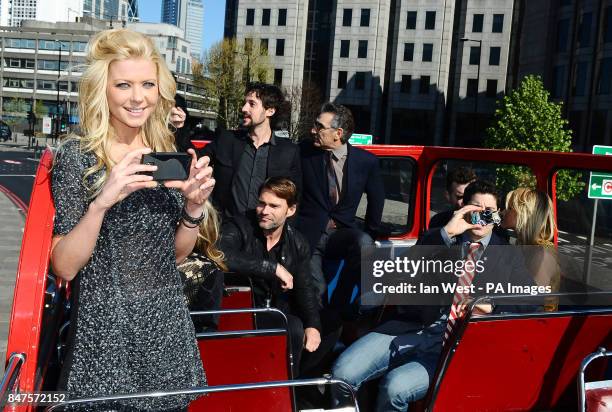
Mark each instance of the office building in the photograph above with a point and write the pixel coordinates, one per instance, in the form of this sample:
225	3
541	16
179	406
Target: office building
189	16
43	62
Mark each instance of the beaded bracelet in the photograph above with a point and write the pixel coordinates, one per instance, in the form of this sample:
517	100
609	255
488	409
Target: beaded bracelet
192	220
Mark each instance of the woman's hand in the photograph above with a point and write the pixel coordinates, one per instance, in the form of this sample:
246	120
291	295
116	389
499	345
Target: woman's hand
177	117
198	186
125	178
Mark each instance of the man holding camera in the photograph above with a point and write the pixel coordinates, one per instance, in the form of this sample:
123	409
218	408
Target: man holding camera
405	350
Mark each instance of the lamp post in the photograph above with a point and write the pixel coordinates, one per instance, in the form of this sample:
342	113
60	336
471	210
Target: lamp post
57	86
477	122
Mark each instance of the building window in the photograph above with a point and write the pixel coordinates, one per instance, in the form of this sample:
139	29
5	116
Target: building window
365	18
604	84
280	47
477	23
580	76
342	77
362	51
263	47
562	35
427	52
406	83
29	64
408	52
14	63
347	17
498	23
430	20
360	80
345	46
608	26
472	88
411	21
250	17
248	44
475	55
558	82
282	17
278	76
424	85
584	32
494	54
491	88
265	17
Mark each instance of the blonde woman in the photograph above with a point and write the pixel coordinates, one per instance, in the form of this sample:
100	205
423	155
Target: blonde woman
202	272
118	235
530	214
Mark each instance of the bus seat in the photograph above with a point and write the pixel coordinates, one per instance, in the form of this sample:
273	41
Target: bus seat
244	357
539	368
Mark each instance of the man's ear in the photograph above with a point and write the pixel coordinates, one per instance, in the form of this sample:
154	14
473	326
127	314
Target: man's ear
291	211
270	112
339	133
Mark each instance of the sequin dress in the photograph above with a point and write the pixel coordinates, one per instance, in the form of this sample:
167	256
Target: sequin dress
130	328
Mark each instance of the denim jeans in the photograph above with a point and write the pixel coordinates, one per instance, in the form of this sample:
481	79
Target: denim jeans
405	362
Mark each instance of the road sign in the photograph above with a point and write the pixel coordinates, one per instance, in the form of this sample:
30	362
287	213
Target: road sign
46	125
600	184
357	138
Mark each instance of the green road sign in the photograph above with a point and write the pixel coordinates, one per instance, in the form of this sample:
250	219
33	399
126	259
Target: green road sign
357	138
600	184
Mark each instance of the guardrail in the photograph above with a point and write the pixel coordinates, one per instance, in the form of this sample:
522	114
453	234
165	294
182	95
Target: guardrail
10	376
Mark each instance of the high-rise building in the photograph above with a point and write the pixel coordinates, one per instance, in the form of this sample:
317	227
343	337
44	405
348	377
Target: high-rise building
13	12
569	44
189	16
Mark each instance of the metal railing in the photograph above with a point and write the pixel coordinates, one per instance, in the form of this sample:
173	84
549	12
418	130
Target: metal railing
206	390
601	353
11	375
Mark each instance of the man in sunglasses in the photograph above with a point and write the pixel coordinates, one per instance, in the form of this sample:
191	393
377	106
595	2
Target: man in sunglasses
335	176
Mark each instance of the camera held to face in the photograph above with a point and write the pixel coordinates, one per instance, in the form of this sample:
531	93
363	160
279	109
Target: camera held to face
484	218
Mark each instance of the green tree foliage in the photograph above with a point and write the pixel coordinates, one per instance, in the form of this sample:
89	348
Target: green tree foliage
225	77
40	110
526	120
15	111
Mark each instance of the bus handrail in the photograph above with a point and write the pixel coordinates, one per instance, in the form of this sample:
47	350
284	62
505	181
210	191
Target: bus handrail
210	389
601	353
10	376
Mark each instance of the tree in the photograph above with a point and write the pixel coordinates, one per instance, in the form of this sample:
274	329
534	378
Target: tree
526	120
304	103
225	74
40	110
15	110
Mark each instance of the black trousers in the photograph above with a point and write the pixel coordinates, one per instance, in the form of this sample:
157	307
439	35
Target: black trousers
295	333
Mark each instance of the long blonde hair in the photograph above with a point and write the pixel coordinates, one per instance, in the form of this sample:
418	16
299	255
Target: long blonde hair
105	48
535	221
208	236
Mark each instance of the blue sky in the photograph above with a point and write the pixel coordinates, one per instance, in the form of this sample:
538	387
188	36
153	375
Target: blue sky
214	16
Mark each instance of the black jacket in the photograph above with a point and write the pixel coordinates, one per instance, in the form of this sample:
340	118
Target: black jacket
244	246
225	152
361	175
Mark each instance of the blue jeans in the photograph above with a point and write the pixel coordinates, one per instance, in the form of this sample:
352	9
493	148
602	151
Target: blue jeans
405	362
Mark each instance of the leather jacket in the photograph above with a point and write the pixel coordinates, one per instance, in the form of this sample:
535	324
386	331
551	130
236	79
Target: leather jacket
244	246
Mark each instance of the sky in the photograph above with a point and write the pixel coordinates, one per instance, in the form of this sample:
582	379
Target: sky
214	16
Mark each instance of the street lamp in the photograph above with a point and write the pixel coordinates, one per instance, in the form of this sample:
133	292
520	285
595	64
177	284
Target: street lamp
248	73
57	101
477	122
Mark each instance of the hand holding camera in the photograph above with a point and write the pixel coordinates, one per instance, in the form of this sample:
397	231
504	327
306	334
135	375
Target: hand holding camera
458	223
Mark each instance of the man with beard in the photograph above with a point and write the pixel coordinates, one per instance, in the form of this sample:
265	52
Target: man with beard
276	257
242	159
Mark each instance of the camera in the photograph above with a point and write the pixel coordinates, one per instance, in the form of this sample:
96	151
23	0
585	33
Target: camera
484	218
170	165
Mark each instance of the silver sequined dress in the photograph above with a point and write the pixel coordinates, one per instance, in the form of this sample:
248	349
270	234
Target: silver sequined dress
130	328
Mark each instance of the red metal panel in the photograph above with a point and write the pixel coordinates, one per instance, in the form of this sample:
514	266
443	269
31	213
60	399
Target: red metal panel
236	298
519	364
26	316
245	360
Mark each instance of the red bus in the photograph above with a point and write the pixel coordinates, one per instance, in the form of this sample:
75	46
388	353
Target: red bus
520	362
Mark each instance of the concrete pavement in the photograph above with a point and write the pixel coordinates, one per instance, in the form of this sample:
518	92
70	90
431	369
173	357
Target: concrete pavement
11	224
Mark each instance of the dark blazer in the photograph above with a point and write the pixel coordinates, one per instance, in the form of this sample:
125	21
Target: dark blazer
225	152
441	219
244	247
361	175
